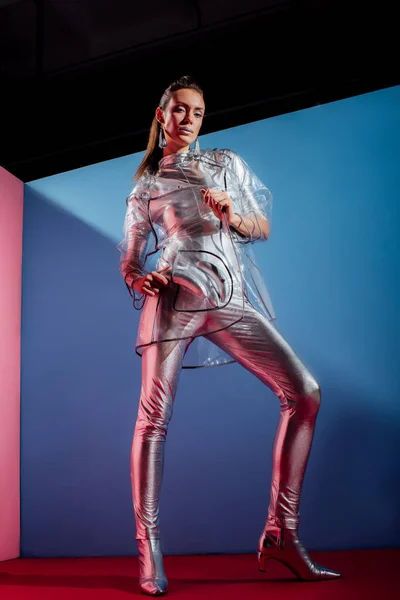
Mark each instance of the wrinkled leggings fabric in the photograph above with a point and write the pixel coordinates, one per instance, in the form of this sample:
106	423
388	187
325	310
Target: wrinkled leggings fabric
259	347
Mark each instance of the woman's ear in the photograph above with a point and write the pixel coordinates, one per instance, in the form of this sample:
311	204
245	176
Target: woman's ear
160	115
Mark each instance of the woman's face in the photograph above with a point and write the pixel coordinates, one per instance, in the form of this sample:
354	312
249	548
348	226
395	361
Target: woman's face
182	119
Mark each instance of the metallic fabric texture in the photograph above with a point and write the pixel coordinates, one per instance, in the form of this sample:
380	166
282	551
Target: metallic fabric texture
257	345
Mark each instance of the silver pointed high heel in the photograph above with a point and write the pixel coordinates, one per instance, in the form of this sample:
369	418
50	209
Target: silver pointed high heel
152	579
286	548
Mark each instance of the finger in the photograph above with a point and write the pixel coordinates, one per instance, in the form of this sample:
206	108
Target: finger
147	285
157	285
222	200
160	278
218	195
221	203
206	194
208	200
224	204
148	292
167	270
213	204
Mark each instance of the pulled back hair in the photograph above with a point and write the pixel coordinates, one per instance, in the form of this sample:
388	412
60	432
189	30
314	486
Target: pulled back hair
153	151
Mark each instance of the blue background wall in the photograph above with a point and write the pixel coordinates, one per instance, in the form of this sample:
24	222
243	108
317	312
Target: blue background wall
332	267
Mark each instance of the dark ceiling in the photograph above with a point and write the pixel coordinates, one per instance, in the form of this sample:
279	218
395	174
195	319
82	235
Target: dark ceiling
80	79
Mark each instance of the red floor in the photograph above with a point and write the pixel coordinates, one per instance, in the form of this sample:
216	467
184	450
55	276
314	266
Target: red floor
366	574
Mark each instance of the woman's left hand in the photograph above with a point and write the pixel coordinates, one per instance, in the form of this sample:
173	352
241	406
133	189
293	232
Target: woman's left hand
220	203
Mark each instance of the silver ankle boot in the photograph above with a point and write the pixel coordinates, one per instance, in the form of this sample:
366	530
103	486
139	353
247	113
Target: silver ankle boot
152	579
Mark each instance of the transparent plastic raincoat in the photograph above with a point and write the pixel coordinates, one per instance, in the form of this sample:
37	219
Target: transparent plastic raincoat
212	266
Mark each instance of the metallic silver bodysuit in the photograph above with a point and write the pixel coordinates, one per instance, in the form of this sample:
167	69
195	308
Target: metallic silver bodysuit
216	298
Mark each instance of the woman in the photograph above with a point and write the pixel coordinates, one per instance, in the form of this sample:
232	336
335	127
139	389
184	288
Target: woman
198	212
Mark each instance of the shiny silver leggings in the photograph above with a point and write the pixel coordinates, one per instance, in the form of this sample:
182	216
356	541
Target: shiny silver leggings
255	344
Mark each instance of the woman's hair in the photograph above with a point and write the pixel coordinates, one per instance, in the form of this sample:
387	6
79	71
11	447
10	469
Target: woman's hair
154	152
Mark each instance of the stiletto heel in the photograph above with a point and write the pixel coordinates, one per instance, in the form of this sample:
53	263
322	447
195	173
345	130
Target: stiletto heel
262	562
152	579
286	548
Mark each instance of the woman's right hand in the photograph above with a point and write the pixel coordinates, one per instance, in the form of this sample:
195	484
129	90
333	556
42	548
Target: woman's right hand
152	283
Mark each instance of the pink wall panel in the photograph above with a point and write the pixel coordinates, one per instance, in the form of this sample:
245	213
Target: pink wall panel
11	210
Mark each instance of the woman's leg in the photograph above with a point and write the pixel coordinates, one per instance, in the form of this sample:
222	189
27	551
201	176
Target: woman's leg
161	367
257	345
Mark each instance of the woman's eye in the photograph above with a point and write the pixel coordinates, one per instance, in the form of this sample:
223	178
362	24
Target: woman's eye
198	115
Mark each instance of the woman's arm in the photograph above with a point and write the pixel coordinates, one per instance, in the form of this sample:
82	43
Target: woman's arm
251	219
256	227
137	229
253	226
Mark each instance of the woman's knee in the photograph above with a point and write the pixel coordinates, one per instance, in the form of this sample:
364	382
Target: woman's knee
151	429
311	395
153	418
